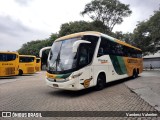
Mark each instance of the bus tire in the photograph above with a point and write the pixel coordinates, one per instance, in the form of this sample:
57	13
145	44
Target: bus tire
101	82
134	74
20	72
137	72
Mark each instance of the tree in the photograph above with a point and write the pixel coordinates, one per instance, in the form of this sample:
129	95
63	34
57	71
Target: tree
128	38
109	12
53	37
30	48
147	34
154	29
141	38
73	27
33	47
81	26
118	35
100	27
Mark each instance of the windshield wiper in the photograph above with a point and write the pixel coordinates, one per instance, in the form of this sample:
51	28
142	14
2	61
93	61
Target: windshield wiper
58	58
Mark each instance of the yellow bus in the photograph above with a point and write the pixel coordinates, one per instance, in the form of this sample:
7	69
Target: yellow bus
38	64
88	59
9	63
27	64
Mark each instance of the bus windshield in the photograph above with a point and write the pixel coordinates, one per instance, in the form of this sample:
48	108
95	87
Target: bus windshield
61	57
7	57
38	60
26	59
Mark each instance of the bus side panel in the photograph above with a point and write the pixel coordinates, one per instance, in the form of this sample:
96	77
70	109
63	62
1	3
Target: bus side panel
38	66
17	66
133	63
22	67
117	68
101	64
113	67
27	68
2	70
9	68
118	64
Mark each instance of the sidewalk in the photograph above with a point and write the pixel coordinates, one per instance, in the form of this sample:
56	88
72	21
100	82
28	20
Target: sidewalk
147	86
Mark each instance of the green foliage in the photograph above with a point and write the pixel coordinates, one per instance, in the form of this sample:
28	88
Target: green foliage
147	34
73	27
109	12
100	27
126	37
33	47
81	26
154	29
53	37
118	35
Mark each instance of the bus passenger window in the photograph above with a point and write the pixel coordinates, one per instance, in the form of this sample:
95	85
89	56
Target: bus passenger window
100	52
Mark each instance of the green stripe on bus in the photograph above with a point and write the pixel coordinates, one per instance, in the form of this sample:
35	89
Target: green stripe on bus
63	75
118	64
122	64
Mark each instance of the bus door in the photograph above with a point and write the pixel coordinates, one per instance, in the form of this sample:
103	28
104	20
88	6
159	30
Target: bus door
84	59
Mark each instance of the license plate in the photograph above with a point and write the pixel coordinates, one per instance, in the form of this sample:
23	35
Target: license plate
55	85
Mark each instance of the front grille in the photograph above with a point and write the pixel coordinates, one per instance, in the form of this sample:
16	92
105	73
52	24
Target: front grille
37	69
10	70
30	70
56	80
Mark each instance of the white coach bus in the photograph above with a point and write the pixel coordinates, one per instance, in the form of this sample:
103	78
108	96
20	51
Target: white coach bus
88	59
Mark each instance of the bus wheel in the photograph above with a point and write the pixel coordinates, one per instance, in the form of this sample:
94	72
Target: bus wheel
100	82
20	72
134	74
137	72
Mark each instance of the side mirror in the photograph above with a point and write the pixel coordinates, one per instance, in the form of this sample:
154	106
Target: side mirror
100	52
50	55
45	48
77	43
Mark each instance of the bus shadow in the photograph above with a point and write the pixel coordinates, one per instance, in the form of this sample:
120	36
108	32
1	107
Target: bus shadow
36	72
8	77
71	94
27	75
110	84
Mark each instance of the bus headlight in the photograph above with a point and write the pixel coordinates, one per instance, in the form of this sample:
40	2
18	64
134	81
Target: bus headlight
75	75
67	79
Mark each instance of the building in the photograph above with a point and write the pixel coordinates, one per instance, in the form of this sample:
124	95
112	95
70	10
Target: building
152	60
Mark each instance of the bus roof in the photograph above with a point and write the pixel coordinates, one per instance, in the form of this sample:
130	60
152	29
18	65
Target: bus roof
96	34
119	41
126	44
27	56
9	52
79	34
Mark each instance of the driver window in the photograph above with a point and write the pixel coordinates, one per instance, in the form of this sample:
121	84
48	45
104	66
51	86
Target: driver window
84	56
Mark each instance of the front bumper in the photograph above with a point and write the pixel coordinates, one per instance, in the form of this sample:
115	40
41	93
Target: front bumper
66	85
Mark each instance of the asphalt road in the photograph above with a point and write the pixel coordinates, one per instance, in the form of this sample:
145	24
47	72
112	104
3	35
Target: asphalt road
30	93
147	87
